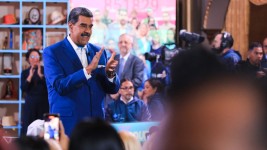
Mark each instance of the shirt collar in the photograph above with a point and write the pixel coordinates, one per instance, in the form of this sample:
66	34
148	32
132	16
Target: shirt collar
74	46
125	57
128	101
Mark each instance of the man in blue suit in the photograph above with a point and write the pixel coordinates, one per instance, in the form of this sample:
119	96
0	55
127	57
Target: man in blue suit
78	75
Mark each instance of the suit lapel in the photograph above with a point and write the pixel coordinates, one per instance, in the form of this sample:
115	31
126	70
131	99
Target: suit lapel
70	52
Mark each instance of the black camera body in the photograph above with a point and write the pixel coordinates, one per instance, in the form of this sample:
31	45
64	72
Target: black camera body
167	53
190	38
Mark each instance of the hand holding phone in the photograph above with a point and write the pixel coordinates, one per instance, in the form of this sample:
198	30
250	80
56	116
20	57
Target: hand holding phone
51	126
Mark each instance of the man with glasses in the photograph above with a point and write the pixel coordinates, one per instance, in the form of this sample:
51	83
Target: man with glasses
78	73
127	108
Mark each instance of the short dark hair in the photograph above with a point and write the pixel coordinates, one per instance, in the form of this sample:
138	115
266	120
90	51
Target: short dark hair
79	11
124	80
254	45
192	67
29	53
155	83
95	134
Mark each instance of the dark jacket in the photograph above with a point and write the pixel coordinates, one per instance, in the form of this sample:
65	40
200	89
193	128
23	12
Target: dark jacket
135	110
155	107
247	68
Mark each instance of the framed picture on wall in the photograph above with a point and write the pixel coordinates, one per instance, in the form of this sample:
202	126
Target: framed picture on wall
54	37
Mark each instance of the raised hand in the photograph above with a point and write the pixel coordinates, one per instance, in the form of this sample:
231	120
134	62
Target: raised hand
94	63
31	72
111	64
39	72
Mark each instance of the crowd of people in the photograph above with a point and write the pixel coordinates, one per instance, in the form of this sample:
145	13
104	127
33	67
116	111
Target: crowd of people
204	97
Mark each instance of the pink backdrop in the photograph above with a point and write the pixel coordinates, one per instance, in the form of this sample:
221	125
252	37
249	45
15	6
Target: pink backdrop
140	6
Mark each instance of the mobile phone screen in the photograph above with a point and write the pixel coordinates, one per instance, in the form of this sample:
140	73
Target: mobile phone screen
51	126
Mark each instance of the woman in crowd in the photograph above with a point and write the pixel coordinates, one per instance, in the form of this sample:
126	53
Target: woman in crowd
34	86
152	96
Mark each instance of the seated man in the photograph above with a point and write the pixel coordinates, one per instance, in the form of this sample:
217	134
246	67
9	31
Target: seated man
127	108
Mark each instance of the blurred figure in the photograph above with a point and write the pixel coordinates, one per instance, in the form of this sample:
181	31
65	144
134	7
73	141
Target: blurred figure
155	56
33	84
135	23
95	134
127	108
30	143
153	97
210	108
253	64
222	45
120	26
99	30
142	44
150	138
130	141
264	46
165	26
149	16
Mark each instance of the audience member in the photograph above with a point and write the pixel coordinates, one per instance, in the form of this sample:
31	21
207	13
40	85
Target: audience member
141	42
209	108
222	45
130	141
120	26
95	135
33	84
165	26
127	108
99	30
253	64
130	66
152	95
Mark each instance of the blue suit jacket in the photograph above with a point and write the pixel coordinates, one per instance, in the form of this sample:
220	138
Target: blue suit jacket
69	92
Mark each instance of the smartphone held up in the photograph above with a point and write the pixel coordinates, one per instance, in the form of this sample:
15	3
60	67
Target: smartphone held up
51	126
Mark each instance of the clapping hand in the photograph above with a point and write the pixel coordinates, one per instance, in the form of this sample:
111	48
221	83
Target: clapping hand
94	63
39	72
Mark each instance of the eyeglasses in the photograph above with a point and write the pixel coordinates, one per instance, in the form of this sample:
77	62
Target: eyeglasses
127	88
32	57
84	26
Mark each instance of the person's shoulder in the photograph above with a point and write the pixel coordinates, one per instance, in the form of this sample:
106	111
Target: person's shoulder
55	46
94	47
139	101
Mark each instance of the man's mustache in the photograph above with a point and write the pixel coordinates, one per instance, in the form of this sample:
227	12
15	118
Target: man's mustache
86	34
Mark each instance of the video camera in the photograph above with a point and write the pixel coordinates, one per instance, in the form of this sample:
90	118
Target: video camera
167	53
190	38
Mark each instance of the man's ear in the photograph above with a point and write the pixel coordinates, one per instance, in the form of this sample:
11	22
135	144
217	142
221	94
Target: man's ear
70	26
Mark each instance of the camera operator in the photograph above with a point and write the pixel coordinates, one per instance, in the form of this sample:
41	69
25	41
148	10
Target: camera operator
222	45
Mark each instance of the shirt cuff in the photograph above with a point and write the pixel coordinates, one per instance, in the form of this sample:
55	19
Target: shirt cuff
87	76
111	79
